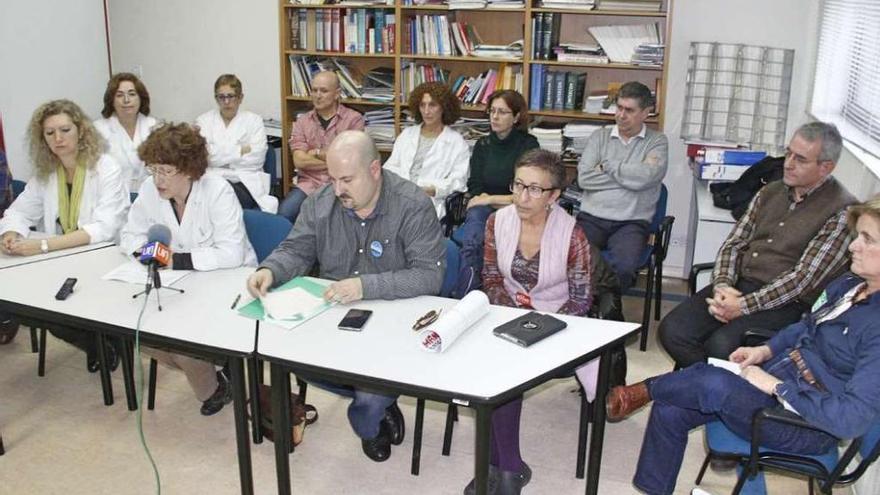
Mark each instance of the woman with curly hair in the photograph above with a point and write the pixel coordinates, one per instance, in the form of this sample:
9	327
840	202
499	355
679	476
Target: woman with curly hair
126	124
75	197
207	231
432	154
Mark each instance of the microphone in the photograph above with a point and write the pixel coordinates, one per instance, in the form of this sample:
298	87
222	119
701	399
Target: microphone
156	252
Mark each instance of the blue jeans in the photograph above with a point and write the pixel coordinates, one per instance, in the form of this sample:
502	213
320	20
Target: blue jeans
472	234
686	399
366	411
290	205
621	243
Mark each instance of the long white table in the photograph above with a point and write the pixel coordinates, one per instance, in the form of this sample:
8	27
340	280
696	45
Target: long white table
199	321
480	370
7	261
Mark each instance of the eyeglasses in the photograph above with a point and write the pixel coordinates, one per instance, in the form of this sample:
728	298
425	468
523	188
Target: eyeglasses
499	112
517	187
798	159
225	97
164	173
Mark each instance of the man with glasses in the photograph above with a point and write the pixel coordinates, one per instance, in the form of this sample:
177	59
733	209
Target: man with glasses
378	236
621	172
310	136
787	246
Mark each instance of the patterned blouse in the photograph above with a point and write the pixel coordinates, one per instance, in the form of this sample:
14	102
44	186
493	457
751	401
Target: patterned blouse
525	271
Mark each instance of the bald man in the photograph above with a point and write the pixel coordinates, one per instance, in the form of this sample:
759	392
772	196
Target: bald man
310	136
378	236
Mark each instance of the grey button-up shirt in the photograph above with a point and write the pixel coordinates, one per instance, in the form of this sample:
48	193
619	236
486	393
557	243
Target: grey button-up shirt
398	251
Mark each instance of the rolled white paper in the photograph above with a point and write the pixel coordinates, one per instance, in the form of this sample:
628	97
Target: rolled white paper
588	375
454	321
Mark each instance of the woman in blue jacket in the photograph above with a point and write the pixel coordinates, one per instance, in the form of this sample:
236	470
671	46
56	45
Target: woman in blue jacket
837	389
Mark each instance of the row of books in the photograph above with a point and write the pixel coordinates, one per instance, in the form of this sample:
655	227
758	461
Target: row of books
342	30
621	41
627	5
353	3
438	35
545	28
475	90
557	90
414	73
375	85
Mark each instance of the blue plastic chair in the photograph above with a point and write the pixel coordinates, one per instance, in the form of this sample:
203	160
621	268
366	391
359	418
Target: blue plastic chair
652	260
17	187
269	165
828	470
265	231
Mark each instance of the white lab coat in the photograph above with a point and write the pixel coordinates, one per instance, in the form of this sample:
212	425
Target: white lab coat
446	164
211	230
102	210
224	147
124	148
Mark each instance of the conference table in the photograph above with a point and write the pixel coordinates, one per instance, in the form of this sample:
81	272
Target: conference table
479	370
198	322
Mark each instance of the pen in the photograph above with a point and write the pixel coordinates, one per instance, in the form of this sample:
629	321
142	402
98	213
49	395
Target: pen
235	302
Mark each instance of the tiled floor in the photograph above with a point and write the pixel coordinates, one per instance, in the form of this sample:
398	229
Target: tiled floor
60	438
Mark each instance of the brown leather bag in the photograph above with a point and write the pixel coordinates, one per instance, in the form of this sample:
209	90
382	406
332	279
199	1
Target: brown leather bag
301	415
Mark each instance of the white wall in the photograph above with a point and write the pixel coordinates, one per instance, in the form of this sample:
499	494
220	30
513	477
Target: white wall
777	23
48	50
182	46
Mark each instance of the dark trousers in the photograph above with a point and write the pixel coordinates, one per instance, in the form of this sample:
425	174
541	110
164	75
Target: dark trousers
81	339
472	234
686	399
622	242
505	451
690	334
244	196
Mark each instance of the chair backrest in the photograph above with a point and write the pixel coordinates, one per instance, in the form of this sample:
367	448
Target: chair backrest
660	212
456	210
270	164
265	231
17	187
453	265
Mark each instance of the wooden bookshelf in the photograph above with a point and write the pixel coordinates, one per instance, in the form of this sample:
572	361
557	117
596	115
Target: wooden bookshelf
496	27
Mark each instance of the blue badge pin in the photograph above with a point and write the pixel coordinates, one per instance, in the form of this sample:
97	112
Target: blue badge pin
376	249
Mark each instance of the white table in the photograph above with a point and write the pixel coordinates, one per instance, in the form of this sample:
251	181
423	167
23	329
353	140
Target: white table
7	261
199	321
479	370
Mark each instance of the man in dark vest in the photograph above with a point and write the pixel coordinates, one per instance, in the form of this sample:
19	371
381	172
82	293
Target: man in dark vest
788	244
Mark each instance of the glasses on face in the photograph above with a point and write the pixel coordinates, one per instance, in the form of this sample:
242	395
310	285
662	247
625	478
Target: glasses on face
499	112
225	97
163	173
798	159
517	187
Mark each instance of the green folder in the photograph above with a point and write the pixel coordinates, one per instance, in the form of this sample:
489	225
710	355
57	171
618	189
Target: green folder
314	286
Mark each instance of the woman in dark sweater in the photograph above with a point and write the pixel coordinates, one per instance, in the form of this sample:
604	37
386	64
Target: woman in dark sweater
491	172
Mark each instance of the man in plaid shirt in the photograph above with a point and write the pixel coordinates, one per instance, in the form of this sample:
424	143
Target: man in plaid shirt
782	252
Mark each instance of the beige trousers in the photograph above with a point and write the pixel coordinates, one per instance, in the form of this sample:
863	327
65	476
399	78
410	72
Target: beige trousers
201	375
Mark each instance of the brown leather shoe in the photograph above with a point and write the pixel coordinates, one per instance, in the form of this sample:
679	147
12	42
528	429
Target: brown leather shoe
625	400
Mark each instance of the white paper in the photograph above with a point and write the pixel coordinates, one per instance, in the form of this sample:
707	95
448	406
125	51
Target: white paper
728	365
454	321
133	272
290	304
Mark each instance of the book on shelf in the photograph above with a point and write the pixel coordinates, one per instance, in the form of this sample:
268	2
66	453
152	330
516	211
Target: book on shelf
545	30
549	135
307	2
556	90
649	54
505	4
353	84
466	4
569	4
630	5
356	30
414	73
580	53
620	41
513	50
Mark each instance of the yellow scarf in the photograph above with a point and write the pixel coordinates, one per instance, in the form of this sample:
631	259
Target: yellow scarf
68	203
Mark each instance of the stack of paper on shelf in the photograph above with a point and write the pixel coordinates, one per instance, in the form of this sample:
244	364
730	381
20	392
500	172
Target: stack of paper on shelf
380	126
620	41
649	54
569	4
513	50
583	53
472	128
466	4
574	138
549	136
506	4
630	5
378	84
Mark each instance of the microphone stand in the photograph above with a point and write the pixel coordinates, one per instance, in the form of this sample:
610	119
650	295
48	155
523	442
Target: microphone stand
154	281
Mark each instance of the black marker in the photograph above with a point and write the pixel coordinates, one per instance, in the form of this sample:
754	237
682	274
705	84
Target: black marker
234	303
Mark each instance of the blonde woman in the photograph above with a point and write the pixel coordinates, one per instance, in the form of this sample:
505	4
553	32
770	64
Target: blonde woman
75	197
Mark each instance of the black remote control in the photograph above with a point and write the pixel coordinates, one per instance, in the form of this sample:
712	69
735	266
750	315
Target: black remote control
65	289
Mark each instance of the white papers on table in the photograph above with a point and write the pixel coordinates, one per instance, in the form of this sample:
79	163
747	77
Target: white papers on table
736	370
133	272
290	304
453	322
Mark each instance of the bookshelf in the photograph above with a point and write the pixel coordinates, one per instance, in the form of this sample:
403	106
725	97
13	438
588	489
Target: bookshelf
496	26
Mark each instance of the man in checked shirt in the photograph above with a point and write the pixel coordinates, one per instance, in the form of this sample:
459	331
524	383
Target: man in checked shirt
790	242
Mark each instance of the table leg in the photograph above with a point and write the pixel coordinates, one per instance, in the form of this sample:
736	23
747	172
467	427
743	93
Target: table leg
246	476
597	437
481	459
256	412
128	358
106	385
281	425
417	437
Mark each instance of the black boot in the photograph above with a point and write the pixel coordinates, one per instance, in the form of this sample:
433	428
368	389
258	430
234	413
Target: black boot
509	483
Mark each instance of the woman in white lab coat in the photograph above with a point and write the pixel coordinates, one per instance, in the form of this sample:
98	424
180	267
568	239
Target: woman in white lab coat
432	154
207	231
237	145
126	124
75	197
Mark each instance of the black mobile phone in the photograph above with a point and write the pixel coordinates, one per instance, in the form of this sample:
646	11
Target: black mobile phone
355	320
66	289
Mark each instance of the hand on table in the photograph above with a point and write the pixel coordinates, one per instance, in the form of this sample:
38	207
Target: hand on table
345	291
8	240
259	282
24	247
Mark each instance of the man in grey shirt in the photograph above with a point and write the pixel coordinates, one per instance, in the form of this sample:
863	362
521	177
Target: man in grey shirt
378	236
621	172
